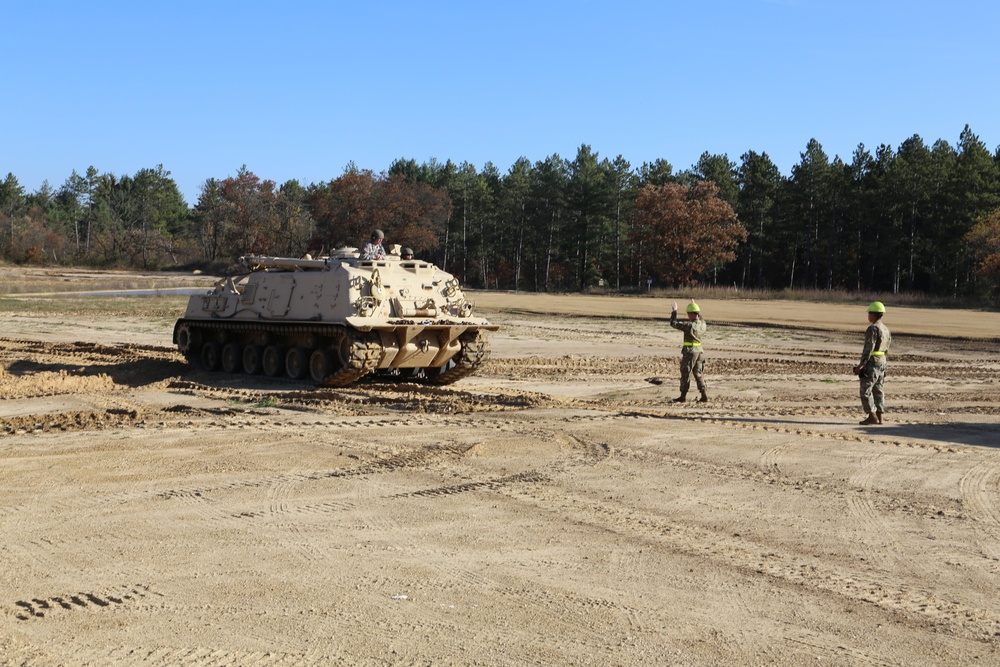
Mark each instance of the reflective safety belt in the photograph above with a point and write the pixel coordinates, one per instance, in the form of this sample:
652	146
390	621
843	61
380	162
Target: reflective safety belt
699	345
878	353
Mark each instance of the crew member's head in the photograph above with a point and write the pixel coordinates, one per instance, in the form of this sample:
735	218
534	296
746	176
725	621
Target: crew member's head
693	310
876	309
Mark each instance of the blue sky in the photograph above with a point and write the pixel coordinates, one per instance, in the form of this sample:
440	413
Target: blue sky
296	90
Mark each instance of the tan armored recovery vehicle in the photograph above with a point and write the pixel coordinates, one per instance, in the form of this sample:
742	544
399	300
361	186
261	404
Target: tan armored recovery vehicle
336	319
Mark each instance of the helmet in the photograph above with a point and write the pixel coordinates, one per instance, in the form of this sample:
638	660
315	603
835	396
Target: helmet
377	234
406	251
693	307
876	307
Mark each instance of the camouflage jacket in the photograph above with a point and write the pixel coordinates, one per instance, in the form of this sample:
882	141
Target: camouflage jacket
372	251
693	329
877	339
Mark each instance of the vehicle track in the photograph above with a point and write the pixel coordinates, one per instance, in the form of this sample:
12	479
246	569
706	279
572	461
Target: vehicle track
727	550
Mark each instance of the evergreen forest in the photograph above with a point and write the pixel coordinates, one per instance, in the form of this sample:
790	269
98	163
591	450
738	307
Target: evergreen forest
916	218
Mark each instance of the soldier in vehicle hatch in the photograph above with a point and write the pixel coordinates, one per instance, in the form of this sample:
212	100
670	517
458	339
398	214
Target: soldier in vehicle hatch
374	248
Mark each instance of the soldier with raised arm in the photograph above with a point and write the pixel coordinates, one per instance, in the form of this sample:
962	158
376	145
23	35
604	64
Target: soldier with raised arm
692	362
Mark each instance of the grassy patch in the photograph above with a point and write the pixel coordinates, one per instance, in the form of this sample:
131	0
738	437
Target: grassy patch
265	402
167	307
912	299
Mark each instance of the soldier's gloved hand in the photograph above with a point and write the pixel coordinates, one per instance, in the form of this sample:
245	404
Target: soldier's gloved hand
857	370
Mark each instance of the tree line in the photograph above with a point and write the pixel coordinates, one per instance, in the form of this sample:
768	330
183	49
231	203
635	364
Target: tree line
916	218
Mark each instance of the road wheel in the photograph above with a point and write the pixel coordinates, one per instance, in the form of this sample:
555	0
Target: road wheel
320	365
211	353
273	360
232	358
251	359
297	362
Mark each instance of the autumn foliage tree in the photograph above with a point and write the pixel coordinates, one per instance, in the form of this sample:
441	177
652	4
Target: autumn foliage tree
984	242
244	215
685	230
349	207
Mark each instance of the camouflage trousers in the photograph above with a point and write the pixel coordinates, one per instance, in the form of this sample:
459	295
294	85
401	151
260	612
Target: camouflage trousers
692	363
872	377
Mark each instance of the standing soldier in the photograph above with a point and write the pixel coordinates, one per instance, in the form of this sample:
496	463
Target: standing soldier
691	359
871	370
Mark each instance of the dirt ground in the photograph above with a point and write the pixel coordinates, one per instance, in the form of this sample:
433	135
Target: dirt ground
553	509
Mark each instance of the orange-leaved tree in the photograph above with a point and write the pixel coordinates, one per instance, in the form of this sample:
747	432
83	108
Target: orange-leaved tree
984	243
349	207
685	230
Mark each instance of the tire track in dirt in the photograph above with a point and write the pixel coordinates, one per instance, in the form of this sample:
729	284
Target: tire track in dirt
283	511
813	642
494	484
770	460
768	472
561	612
46	607
980	493
40	555
199	496
199	656
729	551
872	516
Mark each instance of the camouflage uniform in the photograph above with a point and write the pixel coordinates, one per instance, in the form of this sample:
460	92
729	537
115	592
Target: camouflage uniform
372	250
691	359
877	339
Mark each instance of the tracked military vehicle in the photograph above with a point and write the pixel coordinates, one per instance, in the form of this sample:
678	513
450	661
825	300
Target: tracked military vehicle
336	319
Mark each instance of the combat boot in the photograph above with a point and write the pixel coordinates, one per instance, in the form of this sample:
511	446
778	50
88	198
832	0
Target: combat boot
871	419
704	397
878	416
680	399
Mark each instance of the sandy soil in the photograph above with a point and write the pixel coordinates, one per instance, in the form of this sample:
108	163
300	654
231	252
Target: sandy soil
553	509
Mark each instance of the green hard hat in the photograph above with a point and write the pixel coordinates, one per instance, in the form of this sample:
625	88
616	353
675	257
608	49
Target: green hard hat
876	307
377	234
693	307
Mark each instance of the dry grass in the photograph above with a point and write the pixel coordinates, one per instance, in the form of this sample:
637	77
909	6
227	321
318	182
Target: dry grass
911	299
151	306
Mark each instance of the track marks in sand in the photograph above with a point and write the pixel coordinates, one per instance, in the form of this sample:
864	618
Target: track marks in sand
203	498
590	620
800	640
86	420
46	607
980	490
732	550
495	484
201	656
